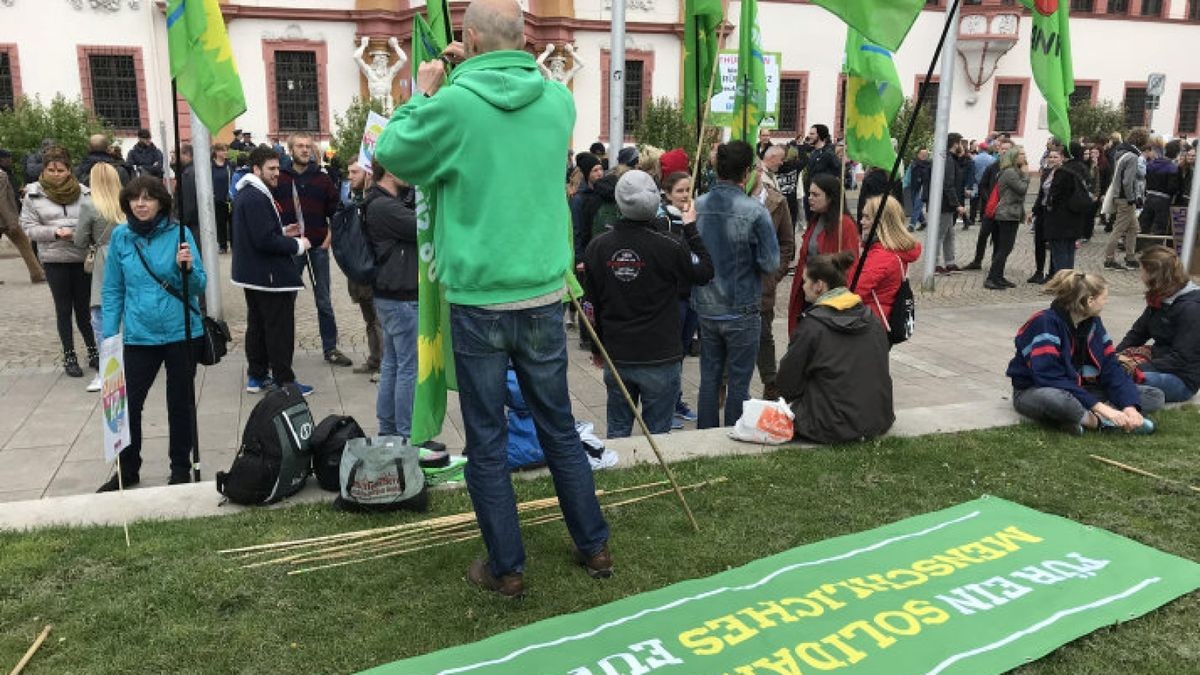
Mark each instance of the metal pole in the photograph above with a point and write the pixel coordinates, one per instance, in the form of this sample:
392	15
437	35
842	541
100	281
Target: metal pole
201	152
1189	230
185	273
616	84
941	129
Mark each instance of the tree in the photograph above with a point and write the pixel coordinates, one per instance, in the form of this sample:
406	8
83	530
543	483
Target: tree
68	121
349	127
663	126
922	135
1095	121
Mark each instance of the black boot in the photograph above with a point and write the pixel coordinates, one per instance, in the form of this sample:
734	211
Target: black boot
93	358
180	477
112	485
71	364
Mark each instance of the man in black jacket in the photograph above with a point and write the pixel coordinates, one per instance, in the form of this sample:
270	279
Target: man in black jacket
98	154
633	274
263	253
392	230
144	157
952	204
822	159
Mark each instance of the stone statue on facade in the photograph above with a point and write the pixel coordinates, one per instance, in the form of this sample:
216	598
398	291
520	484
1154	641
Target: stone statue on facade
557	70
378	73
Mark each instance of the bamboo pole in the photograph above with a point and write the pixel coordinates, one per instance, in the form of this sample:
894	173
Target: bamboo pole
637	414
1143	472
440	521
32	650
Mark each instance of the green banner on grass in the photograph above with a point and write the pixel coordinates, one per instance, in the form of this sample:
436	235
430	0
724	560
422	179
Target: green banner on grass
978	588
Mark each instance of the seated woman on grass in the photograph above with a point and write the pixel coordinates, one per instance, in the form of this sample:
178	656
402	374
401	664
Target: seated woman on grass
835	373
1066	367
1172	321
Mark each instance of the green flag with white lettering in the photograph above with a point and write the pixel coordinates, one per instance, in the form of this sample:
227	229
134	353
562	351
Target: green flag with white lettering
1050	59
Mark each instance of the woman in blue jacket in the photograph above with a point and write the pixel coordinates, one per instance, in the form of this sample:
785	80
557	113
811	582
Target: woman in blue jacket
144	255
1066	372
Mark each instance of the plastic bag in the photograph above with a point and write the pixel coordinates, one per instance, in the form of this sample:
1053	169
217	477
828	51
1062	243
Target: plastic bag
767	422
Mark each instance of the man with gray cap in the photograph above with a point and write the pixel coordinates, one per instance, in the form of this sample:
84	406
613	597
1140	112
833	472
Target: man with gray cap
633	274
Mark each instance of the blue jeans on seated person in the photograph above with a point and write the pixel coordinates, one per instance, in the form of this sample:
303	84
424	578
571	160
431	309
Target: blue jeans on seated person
1049	405
726	347
655	387
534	340
1172	387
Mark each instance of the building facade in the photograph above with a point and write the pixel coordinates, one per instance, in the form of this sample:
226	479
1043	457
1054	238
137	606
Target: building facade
298	67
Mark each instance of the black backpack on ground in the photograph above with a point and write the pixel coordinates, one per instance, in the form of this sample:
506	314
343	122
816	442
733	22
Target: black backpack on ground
328	442
275	456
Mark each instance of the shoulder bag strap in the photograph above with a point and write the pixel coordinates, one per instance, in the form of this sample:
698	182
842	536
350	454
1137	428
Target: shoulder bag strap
162	283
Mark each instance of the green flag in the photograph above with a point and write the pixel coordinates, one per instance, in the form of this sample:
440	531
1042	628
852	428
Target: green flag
873	96
1050	59
435	356
701	20
202	62
886	22
438	12
750	99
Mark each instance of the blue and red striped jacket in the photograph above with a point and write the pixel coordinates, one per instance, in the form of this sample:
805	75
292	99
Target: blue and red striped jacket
1045	358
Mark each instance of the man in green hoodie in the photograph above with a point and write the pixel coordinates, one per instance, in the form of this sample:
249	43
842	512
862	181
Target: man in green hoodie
488	143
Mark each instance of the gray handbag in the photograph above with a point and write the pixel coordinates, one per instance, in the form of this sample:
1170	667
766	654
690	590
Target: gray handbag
381	474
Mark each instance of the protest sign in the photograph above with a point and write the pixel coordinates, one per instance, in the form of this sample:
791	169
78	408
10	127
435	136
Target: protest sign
366	151
113	398
721	105
977	588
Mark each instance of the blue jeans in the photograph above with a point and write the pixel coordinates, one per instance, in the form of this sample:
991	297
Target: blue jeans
398	367
1170	385
1062	255
534	340
918	216
97	324
320	270
656	387
726	347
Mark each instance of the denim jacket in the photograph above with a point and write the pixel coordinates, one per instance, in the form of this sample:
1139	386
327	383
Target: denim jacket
740	237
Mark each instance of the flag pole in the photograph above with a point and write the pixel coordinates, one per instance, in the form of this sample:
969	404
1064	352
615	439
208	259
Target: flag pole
696	77
189	354
712	79
912	120
616	82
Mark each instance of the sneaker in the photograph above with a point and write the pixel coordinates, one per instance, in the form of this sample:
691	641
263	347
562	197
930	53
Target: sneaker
433	455
994	285
336	358
95	384
683	412
375	376
676	424
179	478
1113	265
365	369
1037	278
510	586
972	266
1132	264
950	269
598	566
1008	283
939	270
1073	428
256	385
305	390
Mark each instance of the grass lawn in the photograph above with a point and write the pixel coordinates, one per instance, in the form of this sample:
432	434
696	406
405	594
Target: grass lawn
170	604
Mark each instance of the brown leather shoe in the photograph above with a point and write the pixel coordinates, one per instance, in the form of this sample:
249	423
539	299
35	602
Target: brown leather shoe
511	586
598	566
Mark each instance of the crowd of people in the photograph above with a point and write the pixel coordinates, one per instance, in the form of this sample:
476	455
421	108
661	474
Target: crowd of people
675	259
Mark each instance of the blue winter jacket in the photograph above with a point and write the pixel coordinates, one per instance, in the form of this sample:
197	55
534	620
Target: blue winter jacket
1045	358
133	303
740	236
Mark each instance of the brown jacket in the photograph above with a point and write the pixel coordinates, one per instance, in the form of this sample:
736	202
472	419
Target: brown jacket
8	205
781	216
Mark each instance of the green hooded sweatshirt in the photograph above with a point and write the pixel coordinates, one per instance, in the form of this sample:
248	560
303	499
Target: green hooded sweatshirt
490	145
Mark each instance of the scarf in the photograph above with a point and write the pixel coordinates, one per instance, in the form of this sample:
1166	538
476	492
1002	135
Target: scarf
64	193
143	227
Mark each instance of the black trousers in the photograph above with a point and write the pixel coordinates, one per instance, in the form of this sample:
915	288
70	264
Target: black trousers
71	289
221	209
987	230
1039	245
141	368
270	334
1003	240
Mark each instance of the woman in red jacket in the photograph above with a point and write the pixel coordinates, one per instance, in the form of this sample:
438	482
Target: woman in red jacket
826	233
887	260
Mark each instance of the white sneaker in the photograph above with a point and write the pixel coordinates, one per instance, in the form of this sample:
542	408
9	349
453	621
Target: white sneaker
95	384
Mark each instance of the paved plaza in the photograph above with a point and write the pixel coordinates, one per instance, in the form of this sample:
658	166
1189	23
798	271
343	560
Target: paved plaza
50	434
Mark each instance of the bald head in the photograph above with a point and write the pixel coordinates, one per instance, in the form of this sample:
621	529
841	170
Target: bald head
98	143
493	25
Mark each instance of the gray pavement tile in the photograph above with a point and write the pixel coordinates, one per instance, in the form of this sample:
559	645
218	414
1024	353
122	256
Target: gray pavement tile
31	468
74	478
47	429
20	495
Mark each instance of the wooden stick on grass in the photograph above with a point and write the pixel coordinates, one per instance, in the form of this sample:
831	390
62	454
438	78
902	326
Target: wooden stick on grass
1143	472
32	650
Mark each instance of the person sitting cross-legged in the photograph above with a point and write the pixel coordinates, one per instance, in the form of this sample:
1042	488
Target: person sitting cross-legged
1066	367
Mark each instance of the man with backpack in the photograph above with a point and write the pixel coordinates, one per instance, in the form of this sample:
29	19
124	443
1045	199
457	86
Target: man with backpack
263	254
